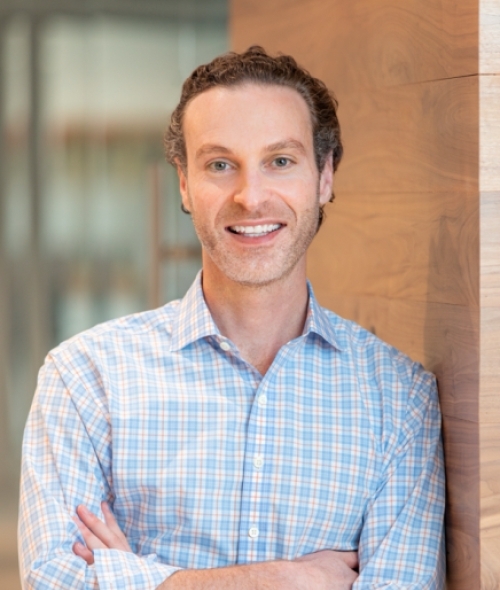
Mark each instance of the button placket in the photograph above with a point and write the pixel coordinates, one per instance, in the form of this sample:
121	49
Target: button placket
258	467
258	460
253	538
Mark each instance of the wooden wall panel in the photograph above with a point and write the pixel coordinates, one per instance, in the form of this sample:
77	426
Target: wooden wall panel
365	43
490	249
411	247
436	122
415	236
462	516
489	45
490	501
489	96
489	159
490	363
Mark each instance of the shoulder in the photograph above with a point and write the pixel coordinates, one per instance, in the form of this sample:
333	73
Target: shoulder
397	392
375	356
111	341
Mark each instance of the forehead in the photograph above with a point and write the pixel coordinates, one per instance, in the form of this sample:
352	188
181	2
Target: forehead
250	112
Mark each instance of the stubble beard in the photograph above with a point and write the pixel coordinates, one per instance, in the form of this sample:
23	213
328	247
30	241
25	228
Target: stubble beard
260	266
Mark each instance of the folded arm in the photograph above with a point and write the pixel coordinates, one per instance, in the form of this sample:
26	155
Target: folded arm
323	570
66	463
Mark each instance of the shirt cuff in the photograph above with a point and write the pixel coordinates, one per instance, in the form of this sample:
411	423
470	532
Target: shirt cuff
116	570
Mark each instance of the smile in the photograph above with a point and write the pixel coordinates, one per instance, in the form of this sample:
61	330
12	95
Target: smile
254	231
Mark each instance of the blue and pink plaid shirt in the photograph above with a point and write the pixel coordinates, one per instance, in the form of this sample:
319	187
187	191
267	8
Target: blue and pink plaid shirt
207	463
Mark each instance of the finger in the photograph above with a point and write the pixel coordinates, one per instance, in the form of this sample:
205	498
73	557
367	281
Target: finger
81	551
90	539
109	517
99	529
110	520
350	558
114	527
100	534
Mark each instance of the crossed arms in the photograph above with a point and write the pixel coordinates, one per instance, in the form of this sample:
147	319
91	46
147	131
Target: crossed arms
66	464
323	570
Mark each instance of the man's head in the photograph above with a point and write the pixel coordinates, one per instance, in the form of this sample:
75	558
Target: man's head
256	141
255	65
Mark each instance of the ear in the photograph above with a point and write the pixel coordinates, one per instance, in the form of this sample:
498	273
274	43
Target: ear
326	181
183	185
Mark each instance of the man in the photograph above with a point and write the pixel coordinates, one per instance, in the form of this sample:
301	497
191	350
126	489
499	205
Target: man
242	437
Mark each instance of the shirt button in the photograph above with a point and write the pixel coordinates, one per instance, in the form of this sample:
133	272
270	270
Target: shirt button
225	346
253	532
258	461
262	401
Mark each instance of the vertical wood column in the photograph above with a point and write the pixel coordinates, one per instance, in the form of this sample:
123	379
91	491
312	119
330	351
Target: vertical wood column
411	247
489	183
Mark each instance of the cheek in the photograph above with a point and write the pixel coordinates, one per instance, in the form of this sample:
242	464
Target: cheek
301	195
212	189
207	203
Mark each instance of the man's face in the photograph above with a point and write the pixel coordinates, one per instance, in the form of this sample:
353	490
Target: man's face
252	185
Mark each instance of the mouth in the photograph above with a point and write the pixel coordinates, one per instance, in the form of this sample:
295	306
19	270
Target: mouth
255	231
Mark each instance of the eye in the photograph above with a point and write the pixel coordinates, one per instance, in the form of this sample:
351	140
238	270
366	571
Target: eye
281	162
218	166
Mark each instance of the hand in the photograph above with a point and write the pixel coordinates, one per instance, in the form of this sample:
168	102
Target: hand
98	534
331	570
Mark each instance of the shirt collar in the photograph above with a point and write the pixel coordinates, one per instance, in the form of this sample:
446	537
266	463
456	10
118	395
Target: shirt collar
194	320
318	322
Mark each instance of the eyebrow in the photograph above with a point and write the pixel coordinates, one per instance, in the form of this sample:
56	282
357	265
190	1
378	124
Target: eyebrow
211	148
286	144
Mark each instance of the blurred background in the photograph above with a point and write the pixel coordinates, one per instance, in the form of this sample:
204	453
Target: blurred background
90	221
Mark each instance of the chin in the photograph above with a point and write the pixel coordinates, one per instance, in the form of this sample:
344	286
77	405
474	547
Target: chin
256	277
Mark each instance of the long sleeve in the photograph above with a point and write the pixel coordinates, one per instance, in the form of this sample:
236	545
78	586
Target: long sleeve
402	540
66	462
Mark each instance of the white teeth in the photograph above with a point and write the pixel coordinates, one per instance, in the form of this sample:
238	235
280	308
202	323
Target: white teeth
254	230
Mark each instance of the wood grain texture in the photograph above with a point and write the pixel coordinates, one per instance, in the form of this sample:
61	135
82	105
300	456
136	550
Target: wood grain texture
426	247
490	249
489	46
418	138
461	445
489	405
365	43
490	309
490	551
490	363
489	161
490	505
490	447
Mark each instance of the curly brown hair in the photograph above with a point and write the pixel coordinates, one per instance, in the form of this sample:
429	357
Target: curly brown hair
255	65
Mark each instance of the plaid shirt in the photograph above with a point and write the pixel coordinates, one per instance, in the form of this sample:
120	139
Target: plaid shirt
206	463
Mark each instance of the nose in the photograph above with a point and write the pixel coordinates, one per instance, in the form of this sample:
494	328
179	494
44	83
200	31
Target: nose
252	191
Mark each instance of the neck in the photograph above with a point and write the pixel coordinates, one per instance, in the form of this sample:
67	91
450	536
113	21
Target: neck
258	319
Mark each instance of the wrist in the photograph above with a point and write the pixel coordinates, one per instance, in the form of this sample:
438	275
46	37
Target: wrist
278	574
